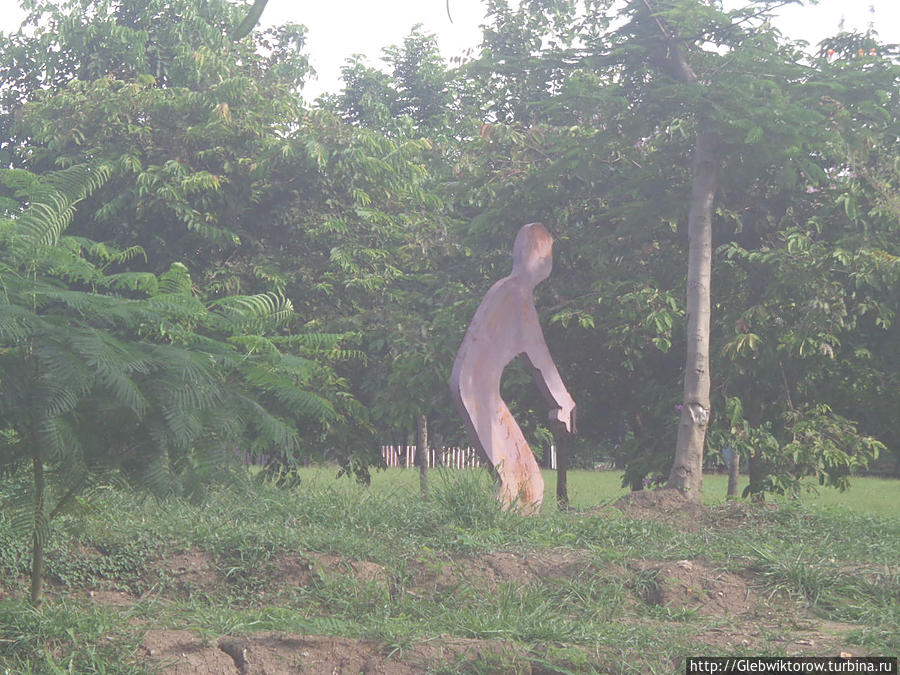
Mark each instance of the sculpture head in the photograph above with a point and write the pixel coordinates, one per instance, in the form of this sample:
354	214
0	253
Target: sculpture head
533	253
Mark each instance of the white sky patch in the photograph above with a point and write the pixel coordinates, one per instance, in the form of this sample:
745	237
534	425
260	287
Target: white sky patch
341	28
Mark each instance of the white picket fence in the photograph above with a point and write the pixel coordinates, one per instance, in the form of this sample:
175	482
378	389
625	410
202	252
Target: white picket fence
454	458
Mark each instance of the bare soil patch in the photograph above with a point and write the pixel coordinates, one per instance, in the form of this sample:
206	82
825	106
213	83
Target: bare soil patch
668	506
769	630
292	570
691	584
673	508
325	565
103	596
193	569
301	570
179	652
491	569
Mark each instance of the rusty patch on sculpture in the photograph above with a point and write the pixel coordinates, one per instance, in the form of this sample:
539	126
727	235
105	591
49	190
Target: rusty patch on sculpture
506	326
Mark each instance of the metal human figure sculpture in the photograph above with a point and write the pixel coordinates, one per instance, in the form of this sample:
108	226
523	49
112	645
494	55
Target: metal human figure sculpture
505	326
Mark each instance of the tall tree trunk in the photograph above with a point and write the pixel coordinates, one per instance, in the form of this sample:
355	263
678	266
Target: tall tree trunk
422	452
687	469
39	533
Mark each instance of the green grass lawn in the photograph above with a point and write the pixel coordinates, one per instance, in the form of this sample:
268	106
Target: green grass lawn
454	584
875	496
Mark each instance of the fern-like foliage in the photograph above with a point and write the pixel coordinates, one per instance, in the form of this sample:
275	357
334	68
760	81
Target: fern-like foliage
127	374
50	205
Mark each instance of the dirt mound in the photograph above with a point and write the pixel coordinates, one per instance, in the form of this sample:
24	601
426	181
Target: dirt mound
183	653
553	564
292	570
691	584
272	653
192	569
196	570
491	569
180	652
302	570
325	565
668	506
104	596
673	508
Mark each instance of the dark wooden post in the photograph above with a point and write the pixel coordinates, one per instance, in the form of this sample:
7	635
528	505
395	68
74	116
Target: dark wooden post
734	474
561	439
422	452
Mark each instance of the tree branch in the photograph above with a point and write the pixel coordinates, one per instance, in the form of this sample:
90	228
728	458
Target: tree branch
66	499
250	21
682	70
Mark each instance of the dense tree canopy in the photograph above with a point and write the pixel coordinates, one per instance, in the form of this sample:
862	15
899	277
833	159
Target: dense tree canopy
603	154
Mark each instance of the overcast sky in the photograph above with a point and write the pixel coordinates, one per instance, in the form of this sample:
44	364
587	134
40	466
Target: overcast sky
341	28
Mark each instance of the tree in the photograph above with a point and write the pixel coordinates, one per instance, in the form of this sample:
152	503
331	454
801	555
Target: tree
728	109
604	155
130	372
215	161
160	93
686	474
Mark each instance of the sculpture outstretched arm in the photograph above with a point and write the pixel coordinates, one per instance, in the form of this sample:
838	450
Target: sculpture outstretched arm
550	382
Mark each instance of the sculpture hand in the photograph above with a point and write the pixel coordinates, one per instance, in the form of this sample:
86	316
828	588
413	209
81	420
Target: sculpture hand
565	416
